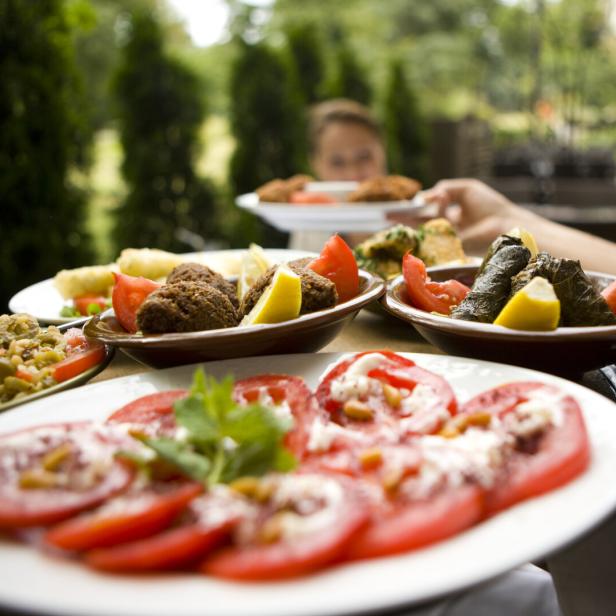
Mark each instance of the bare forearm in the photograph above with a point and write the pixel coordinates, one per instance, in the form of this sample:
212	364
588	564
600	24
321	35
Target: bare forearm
559	240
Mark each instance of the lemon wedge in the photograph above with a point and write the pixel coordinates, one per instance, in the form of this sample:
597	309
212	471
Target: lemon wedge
281	300
528	239
254	263
535	307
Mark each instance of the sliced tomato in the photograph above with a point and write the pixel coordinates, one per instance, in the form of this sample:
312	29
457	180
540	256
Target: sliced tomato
365	377
323	513
427	295
129	292
400	524
88	305
154	412
310	198
541	461
207	523
130	516
78	362
50	473
290	395
337	263
609	295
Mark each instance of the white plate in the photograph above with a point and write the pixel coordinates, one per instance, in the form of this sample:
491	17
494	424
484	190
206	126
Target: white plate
44	302
334	217
39	583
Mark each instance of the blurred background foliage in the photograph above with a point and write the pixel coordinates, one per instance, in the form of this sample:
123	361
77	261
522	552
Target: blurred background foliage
117	130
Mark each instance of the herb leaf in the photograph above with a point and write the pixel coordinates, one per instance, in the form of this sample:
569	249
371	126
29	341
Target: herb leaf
190	462
223	440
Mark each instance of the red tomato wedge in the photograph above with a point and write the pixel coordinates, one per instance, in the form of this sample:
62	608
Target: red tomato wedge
285	392
128	517
389	385
153	412
337	263
84	303
302	197
50	473
309	521
208	521
427	295
609	295
129	292
542	460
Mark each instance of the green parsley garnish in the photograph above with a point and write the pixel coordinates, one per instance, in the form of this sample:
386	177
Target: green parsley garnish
223	440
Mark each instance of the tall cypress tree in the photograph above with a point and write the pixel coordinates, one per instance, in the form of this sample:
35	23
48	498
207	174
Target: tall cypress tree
160	111
42	216
307	55
348	78
406	131
267	121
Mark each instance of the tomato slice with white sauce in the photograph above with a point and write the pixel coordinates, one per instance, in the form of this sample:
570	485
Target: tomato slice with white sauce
305	521
49	473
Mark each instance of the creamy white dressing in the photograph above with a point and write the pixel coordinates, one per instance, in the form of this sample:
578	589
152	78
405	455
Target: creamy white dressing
425	420
422	397
322	435
476	455
316	500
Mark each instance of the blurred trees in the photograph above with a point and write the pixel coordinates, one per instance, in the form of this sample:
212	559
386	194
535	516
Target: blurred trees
41	134
405	127
267	121
160	111
306	51
348	78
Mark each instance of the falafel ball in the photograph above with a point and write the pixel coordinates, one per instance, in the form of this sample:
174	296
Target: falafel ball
318	292
185	306
195	272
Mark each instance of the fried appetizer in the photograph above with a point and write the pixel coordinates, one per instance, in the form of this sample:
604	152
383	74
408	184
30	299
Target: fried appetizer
194	272
439	243
386	188
382	253
150	263
186	306
318	292
91	280
279	191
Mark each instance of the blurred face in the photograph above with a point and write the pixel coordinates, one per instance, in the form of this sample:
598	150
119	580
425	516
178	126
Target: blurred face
347	152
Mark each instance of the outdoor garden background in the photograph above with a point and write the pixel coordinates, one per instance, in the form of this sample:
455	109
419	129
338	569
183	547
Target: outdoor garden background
117	131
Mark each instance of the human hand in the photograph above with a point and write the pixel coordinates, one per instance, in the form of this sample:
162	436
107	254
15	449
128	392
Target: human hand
476	202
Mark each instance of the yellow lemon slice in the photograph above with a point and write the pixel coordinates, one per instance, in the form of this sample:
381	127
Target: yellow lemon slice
281	300
254	263
528	239
535	307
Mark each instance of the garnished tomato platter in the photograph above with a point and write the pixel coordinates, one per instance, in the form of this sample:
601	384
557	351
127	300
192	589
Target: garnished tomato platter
344	483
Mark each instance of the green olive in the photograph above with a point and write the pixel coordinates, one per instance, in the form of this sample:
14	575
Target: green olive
12	383
6	368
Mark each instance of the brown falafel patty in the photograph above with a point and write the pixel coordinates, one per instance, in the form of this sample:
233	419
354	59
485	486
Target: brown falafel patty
185	306
195	272
318	292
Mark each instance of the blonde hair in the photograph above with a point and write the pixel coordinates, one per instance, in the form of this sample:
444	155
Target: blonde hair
342	110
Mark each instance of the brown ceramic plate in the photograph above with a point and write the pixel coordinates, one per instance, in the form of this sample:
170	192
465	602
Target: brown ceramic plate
566	350
307	333
80	379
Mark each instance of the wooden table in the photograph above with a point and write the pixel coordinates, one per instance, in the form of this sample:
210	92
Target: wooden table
582	572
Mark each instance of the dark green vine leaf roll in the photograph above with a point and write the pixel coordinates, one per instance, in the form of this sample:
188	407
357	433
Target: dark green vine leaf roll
500	242
492	286
580	303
